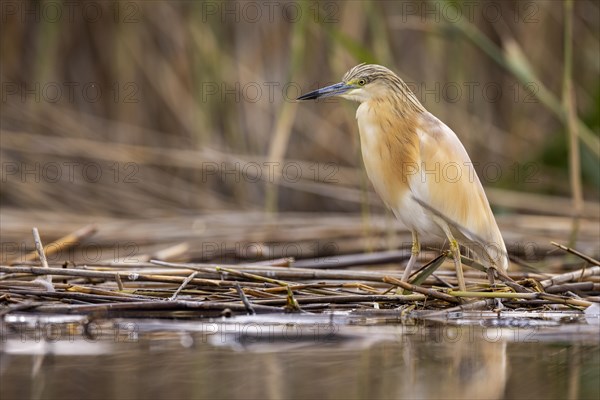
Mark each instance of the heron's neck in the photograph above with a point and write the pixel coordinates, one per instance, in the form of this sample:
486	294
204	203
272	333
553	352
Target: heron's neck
405	100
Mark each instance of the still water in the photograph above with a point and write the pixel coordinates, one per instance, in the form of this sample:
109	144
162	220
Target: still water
333	356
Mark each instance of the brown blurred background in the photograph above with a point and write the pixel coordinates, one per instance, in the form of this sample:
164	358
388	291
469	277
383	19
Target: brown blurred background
179	108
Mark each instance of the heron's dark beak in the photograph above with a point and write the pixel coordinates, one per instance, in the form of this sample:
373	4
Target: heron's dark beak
333	90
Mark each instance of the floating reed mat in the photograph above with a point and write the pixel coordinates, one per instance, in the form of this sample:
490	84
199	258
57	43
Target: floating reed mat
193	290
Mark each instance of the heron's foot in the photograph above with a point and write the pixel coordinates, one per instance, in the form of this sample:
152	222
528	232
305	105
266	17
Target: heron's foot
415	249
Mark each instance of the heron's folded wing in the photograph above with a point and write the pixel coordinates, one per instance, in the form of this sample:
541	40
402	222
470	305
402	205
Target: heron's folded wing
449	184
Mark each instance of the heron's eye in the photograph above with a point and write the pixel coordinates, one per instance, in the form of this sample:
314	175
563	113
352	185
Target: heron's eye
362	82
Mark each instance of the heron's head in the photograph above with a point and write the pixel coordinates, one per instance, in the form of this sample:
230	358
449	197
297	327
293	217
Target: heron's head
362	83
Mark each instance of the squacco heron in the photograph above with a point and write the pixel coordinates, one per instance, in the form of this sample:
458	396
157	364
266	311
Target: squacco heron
419	168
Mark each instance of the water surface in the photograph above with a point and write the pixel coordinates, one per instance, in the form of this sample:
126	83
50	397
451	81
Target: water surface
337	356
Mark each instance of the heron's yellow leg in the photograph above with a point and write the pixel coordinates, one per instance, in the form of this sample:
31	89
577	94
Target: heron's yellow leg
455	249
414	253
457	264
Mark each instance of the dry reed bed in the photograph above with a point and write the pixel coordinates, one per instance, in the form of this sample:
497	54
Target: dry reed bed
169	289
